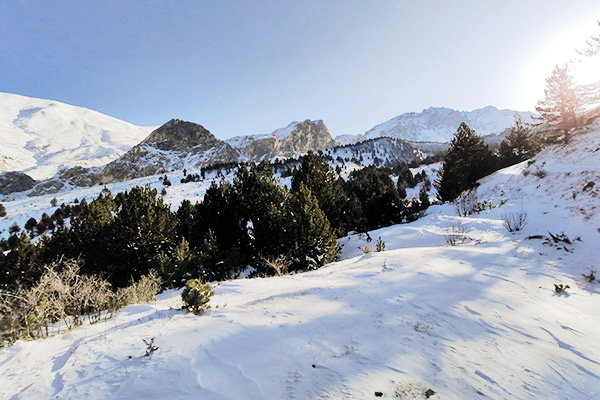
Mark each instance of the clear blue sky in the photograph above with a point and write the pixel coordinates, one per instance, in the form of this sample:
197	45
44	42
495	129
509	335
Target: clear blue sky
245	67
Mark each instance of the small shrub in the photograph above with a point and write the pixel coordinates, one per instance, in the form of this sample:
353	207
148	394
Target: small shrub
142	291
560	288
540	173
150	347
380	245
591	277
366	249
455	233
2	211
54	202
196	295
465	203
515	222
280	264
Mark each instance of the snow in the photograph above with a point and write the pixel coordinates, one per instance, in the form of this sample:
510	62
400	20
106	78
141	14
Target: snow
477	320
41	137
440	124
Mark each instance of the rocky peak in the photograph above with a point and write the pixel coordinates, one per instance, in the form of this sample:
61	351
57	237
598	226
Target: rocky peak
175	145
296	138
180	135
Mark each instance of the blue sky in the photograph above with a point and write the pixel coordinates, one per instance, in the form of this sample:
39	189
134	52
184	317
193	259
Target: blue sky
245	67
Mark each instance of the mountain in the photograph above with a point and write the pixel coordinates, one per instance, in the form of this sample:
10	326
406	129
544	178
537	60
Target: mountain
421	319
440	124
41	137
176	145
296	138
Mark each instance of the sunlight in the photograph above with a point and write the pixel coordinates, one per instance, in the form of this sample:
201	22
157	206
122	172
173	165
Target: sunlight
587	70
558	50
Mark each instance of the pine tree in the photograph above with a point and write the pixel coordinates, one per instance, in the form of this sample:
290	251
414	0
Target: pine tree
318	176
559	110
2	211
380	202
519	145
467	160
424	198
313	243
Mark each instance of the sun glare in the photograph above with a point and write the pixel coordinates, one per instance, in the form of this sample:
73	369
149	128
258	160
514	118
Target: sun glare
587	70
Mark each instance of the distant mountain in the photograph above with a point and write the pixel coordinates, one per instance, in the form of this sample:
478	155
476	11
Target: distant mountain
173	146
440	124
41	137
296	138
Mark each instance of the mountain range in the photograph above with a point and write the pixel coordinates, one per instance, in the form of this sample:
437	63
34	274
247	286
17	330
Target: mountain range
57	144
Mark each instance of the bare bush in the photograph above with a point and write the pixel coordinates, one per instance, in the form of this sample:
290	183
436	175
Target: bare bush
142	291
466	203
64	297
455	233
515	222
366	249
280	264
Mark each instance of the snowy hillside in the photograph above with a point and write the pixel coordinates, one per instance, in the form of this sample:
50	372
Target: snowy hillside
477	320
440	124
39	137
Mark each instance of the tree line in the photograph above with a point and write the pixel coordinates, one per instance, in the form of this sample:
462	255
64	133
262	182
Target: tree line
251	221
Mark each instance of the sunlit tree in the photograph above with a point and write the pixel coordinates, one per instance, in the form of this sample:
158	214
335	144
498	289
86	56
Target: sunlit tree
561	107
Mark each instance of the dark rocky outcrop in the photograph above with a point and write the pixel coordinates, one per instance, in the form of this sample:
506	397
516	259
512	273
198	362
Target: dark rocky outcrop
175	145
79	176
12	182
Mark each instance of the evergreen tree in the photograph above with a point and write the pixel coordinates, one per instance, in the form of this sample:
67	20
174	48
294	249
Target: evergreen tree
144	228
519	145
467	160
312	242
401	189
381	205
424	198
559	110
2	211
317	175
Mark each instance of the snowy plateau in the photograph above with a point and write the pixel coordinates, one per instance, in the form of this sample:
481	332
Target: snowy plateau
422	319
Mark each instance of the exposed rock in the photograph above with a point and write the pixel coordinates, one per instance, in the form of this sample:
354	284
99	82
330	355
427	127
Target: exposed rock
294	139
12	182
175	145
47	187
80	176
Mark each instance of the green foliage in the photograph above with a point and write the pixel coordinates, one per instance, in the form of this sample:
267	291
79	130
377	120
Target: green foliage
561	107
316	174
519	145
380	245
312	243
380	203
468	159
196	295
424	198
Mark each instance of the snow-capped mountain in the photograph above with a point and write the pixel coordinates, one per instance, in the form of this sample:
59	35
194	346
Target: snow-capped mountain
296	138
438	124
41	137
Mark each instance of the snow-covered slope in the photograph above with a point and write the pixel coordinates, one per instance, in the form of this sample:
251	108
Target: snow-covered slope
440	124
477	320
39	137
